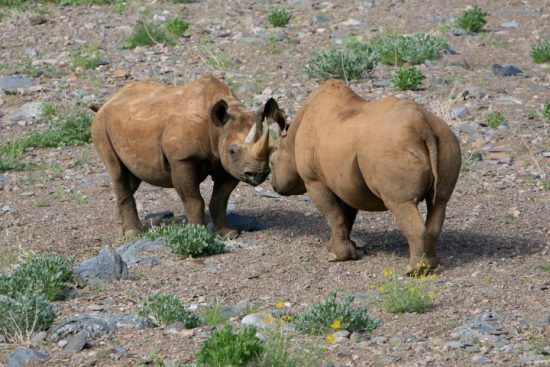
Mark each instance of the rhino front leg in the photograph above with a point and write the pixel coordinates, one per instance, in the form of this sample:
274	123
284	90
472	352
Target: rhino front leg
223	187
186	182
340	219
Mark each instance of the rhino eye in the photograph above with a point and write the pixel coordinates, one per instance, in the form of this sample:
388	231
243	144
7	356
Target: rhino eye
232	150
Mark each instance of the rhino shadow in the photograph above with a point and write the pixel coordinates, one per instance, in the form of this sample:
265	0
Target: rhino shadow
455	247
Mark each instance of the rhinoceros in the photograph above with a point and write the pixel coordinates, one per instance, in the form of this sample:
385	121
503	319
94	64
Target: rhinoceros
351	154
176	137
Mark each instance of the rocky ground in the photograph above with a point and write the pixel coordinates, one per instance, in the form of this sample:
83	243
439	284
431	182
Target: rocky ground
492	296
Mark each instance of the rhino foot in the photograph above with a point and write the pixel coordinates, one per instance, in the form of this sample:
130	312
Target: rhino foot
227	233
341	251
419	267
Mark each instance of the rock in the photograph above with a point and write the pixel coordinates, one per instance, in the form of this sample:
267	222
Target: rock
356	337
12	83
528	359
499	158
155	219
264	320
458	112
130	252
88	181
38	338
7	209
132	321
509	25
76	343
92	325
121	74
270	194
106	267
455	345
351	22
23	356
37	19
480	359
3	182
505	70
457	32
29	112
341	334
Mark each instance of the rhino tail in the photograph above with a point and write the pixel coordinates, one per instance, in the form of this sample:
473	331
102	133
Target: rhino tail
431	144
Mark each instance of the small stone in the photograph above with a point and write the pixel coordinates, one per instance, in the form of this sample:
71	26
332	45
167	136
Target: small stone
264	320
457	32
505	70
351	22
107	266
509	25
270	194
37	19
480	359
23	356
356	337
3	182
499	157
130	252
38	338
341	334
514	212
62	343
458	112
93	324
76	343
12	83
30	111
528	359
7	209
455	345
121	74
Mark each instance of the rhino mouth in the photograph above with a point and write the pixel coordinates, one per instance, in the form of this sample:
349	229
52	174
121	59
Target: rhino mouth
255	178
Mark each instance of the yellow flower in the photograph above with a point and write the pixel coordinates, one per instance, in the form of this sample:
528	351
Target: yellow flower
422	276
386	272
432	276
336	325
280	304
331	339
431	296
381	288
413	289
268	319
286	318
372	286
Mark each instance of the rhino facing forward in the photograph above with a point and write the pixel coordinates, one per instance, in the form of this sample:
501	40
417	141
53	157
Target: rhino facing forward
351	154
176	137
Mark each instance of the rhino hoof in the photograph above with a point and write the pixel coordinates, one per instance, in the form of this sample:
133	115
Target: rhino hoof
129	233
228	233
332	257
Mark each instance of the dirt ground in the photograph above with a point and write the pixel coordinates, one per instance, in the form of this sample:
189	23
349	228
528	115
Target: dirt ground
496	235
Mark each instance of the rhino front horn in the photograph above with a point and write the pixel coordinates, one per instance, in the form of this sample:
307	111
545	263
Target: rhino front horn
260	149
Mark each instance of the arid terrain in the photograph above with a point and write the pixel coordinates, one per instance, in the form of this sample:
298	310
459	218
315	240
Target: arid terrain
495	245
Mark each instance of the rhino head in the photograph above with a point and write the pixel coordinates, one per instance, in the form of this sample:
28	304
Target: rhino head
244	141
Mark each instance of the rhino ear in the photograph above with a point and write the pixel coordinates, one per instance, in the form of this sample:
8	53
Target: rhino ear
218	114
272	111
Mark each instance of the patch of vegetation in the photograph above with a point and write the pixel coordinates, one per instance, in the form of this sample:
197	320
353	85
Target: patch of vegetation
176	26
65	130
329	315
218	60
25	3
406	78
167	309
274	45
183	1
494	119
24	315
545	268
278	351
343	63
540	52
45	274
213	315
89	57
472	20
408	295
189	239
415	48
226	348
546	111
2	15
119	6
147	34
279	18
48	111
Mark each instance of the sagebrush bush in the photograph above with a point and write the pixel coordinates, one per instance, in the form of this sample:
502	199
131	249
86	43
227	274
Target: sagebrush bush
415	48
226	348
88	58
343	63
406	78
540	52
406	295
494	119
279	18
188	239
46	274
329	315
65	130
24	315
176	26
167	309
147	34
472	20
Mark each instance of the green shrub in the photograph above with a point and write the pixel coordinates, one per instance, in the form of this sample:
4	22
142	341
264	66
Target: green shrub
278	351
408	295
279	17
176	26
329	315
189	239
546	111
348	64
226	348
406	78
65	130
213	315
2	15
167	309
45	274
415	48
24	315
147	34
540	52
88	58
494	119
472	20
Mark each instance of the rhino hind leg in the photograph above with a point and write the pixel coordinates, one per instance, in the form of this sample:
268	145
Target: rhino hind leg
422	255
340	218
223	187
